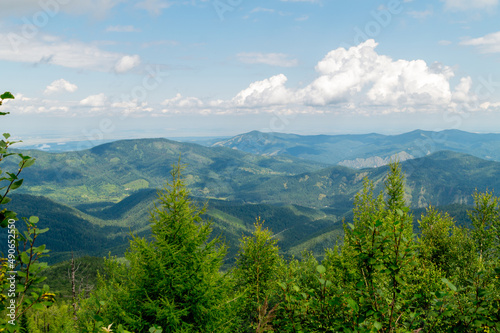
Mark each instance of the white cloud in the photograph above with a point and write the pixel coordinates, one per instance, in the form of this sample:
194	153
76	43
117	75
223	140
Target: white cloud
122	28
357	80
444	42
48	49
60	85
486	44
182	102
95	101
97	8
360	76
154	7
273	59
421	15
490	106
159	43
462	91
265	92
469	4
126	63
262	10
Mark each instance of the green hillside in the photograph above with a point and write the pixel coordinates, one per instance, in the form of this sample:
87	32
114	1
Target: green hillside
442	178
98	231
365	150
111	171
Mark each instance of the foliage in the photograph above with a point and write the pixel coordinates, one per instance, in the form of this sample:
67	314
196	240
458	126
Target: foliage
173	280
485	218
257	269
20	271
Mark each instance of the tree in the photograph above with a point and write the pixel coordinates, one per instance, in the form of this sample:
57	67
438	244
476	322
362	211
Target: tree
256	273
172	280
485	219
449	247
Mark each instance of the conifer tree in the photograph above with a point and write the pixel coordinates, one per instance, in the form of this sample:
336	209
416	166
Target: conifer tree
256	273
172	281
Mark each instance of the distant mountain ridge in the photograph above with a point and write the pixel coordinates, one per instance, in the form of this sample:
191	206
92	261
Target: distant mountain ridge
110	172
365	150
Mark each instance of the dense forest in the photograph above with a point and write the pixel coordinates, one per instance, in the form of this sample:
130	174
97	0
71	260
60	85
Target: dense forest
385	274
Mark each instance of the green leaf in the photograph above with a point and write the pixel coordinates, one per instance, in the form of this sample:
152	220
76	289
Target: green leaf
377	325
400	212
352	304
42	231
6	136
16	184
321	269
7	95
34	219
449	284
38	306
24	258
5	200
27	163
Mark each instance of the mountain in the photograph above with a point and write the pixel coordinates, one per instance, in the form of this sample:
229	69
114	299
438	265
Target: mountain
70	229
97	231
441	178
365	150
304	210
111	171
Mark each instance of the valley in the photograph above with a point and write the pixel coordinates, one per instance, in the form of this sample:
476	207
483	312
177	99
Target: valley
92	200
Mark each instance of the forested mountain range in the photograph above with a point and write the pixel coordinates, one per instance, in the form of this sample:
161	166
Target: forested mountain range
365	150
113	171
93	199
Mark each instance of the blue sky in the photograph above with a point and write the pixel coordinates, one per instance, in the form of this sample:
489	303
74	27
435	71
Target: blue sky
109	69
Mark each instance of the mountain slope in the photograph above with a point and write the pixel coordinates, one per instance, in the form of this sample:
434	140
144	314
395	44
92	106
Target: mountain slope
365	150
439	179
111	171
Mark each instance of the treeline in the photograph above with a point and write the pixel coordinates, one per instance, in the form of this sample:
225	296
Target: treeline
382	278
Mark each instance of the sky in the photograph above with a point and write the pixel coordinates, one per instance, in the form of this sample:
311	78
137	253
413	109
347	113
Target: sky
114	69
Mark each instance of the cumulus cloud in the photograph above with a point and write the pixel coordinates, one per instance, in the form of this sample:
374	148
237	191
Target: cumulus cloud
178	100
354	80
469	4
462	92
486	44
360	76
99	100
265	92
273	59
126	63
48	49
60	85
